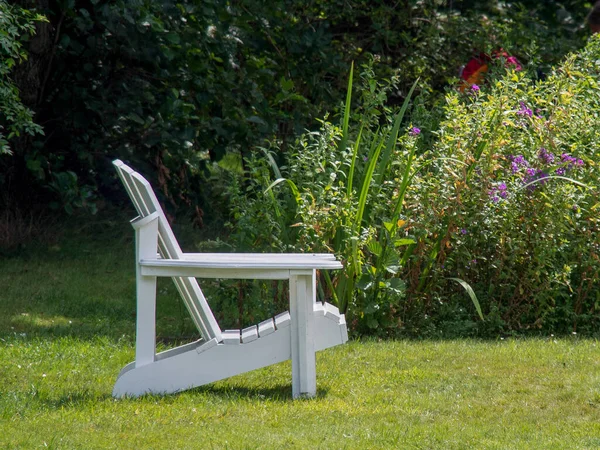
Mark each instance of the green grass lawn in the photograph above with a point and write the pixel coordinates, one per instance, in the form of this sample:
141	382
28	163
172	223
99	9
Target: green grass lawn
67	317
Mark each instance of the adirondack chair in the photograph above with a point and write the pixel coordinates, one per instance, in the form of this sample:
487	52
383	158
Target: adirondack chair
308	327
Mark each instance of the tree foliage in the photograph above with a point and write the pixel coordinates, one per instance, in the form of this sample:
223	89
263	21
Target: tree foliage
176	85
16	25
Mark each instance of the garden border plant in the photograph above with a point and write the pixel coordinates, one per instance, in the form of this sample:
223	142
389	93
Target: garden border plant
476	211
518	219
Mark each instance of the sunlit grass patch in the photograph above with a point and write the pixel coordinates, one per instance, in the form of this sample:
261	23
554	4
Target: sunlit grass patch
67	326
454	394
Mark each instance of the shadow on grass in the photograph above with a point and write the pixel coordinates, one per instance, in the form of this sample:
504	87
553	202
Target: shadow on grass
278	393
74	400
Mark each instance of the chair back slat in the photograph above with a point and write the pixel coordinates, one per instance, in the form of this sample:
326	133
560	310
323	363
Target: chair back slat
124	173
145	201
170	246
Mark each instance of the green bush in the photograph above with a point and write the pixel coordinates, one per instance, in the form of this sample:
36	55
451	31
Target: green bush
338	193
512	206
504	202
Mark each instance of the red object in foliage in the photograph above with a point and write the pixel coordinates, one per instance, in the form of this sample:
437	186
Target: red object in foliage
475	70
475	65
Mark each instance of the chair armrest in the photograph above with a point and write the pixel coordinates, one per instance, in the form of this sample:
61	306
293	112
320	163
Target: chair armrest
264	266
257	256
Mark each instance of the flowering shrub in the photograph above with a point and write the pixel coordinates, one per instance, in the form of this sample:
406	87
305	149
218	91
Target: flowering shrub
510	203
504	201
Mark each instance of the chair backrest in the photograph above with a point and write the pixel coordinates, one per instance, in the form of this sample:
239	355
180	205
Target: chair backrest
145	202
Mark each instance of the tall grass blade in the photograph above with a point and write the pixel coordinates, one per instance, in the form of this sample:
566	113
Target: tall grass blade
330	286
346	119
393	137
353	164
272	163
404	186
549	177
364	190
353	267
290	183
471	293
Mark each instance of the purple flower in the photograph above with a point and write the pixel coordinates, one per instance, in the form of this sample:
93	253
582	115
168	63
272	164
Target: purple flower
561	171
498	192
475	88
545	156
565	157
524	111
414	131
536	175
518	162
365	158
463	231
570	161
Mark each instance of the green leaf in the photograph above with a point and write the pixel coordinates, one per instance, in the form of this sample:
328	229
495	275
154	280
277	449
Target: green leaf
173	38
290	183
346	119
397	284
471	293
272	163
404	241
136	118
375	248
33	164
362	201
372	323
364	282
393	137
353	163
286	85
256	119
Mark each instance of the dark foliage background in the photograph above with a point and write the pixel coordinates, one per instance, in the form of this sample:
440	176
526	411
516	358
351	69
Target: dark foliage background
173	85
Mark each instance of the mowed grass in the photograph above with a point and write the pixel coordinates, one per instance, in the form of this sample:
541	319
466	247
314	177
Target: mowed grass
67	320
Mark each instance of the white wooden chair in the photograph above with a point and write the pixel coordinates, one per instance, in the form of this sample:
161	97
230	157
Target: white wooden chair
309	326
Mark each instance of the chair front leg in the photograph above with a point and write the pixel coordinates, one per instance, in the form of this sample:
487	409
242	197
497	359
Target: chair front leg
302	298
146	243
